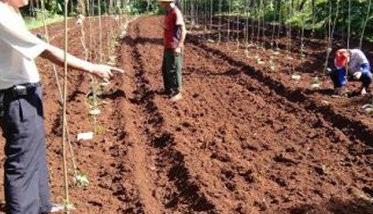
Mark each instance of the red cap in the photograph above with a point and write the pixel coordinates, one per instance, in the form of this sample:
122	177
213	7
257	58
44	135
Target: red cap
341	58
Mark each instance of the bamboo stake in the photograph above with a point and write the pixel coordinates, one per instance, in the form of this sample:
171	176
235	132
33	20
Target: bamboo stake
64	122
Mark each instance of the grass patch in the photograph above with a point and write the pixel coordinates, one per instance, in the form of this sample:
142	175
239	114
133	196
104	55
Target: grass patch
32	23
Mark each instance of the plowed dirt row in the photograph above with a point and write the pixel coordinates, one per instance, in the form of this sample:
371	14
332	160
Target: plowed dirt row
246	147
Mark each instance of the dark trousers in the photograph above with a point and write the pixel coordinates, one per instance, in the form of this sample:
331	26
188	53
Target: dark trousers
339	76
25	170
171	70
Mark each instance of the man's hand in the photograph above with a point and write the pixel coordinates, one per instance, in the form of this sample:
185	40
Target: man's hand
357	75
104	71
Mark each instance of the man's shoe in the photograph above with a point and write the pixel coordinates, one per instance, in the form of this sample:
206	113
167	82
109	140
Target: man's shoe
177	97
55	208
363	91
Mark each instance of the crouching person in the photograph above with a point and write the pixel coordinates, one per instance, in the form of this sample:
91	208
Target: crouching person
26	182
351	65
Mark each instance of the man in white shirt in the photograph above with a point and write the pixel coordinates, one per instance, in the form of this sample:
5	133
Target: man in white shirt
21	111
352	64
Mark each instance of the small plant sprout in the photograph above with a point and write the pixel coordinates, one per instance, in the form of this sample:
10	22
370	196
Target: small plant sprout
259	61
95	111
68	206
302	55
104	84
81	180
112	60
272	65
100	130
296	76
315	83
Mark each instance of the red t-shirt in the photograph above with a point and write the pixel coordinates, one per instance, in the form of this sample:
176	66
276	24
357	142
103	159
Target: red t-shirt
172	33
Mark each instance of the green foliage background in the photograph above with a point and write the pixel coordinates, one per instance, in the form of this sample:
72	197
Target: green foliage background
311	14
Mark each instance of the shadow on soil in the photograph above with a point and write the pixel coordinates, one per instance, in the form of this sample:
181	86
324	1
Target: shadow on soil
334	206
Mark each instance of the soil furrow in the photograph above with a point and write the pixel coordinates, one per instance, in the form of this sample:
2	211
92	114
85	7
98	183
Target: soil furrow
181	189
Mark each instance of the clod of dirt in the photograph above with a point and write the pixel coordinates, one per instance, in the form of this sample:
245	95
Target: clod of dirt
321	170
228	174
368	190
262	205
280	181
248	176
361	194
281	158
221	157
246	145
162	141
241	208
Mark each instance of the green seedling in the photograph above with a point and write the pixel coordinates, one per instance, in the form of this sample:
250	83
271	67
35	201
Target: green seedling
259	61
68	206
272	64
81	180
95	111
112	60
315	83
296	76
100	130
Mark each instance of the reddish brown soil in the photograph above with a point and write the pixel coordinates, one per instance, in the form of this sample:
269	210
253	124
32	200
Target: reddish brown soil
242	140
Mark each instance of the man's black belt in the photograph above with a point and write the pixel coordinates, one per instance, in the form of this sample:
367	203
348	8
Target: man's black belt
15	92
20	90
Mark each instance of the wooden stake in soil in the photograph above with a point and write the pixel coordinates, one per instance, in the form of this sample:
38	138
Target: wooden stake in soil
365	24
67	199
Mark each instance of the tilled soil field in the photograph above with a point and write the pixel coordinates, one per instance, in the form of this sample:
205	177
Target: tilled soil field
242	140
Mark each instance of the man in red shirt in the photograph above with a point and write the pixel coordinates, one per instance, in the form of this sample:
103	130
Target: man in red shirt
174	37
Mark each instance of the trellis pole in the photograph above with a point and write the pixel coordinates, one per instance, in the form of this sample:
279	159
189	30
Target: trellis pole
64	121
331	28
349	24
365	24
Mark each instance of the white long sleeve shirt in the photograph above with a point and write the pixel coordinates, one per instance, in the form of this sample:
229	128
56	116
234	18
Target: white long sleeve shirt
18	49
